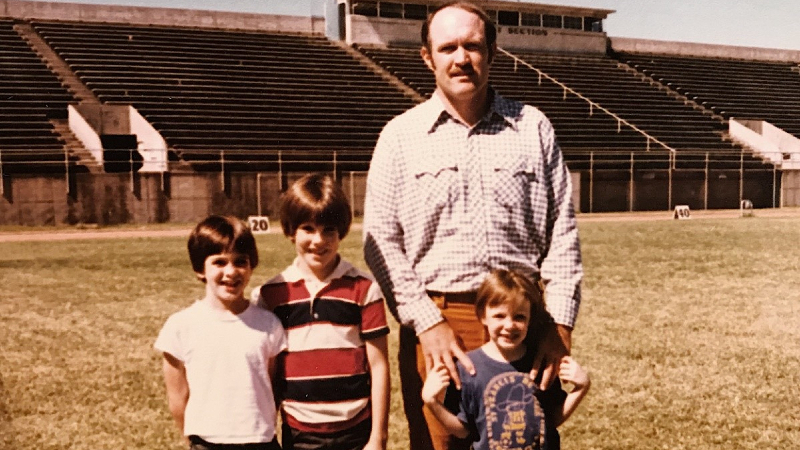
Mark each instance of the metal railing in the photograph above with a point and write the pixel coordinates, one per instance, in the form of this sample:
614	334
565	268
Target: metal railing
592	104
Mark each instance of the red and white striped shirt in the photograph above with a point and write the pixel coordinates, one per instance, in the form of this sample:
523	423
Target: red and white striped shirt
325	368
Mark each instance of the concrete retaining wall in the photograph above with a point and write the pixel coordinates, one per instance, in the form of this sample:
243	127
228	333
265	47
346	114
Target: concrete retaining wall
108	199
631	45
160	16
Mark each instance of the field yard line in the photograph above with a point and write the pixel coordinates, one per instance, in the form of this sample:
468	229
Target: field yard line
89	234
25	236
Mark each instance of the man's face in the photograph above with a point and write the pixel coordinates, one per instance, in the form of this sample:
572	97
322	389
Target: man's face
458	55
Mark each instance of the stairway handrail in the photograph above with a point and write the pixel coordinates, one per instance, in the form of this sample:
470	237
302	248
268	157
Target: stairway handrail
592	104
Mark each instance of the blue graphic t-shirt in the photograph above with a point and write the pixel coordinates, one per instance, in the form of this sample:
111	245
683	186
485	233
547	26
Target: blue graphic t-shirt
503	407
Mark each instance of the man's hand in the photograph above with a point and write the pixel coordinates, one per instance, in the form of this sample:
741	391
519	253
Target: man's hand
554	346
440	346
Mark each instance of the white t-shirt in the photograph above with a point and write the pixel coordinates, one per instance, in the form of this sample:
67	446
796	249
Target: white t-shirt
225	356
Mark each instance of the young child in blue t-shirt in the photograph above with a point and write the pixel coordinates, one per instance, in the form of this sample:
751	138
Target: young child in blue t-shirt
501	407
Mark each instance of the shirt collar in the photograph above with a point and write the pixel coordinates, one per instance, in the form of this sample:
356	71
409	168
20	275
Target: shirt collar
435	113
295	273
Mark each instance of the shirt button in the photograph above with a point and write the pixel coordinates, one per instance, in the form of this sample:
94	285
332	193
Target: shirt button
316	315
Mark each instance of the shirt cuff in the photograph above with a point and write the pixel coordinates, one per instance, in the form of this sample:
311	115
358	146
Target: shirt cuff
563	309
424	315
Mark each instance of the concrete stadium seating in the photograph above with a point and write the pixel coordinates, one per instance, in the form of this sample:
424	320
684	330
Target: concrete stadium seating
731	88
211	90
580	130
251	94
30	94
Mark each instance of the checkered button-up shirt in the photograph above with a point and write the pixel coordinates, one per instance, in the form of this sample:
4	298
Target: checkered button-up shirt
419	234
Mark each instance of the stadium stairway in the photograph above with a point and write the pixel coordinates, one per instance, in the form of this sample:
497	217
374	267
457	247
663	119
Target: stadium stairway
75	147
381	72
29	96
238	98
76	88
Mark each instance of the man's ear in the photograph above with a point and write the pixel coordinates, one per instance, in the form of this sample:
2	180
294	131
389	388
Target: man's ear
426	57
201	276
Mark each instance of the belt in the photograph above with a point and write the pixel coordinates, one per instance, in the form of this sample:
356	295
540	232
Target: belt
443	298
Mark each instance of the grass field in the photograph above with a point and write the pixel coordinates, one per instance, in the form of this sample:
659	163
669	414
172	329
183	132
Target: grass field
691	331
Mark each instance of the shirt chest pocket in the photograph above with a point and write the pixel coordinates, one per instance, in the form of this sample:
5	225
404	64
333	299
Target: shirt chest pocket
436	181
514	181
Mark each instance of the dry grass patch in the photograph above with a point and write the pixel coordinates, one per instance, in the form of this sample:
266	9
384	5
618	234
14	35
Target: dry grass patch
689	328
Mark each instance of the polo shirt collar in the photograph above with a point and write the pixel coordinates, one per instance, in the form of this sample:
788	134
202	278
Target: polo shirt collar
295	273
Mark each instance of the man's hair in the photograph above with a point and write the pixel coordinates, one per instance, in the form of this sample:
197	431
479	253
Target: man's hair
315	198
220	234
489	30
509	287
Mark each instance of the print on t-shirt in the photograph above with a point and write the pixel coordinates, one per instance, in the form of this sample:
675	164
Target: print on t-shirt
514	417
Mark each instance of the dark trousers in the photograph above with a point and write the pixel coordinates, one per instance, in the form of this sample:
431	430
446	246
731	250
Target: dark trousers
198	443
354	438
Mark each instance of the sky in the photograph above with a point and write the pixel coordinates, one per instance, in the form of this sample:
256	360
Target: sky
748	23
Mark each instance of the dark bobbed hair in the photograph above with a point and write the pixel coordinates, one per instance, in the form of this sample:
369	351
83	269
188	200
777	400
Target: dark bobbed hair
489	29
503	286
220	234
315	198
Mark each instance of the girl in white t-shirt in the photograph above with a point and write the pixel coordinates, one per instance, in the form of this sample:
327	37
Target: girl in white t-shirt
219	352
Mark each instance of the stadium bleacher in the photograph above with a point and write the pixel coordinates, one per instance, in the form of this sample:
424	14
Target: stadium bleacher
241	92
732	88
638	131
579	126
30	95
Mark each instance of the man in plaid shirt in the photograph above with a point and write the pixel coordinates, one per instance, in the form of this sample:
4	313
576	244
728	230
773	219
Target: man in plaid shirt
463	183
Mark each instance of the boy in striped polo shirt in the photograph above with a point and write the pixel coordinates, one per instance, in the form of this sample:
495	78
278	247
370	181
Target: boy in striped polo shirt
336	370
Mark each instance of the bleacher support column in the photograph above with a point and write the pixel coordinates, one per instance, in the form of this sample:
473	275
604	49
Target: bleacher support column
591	182
741	177
631	188
352	195
258	192
222	169
133	180
165	184
705	188
2	176
669	179
280	171
774	185
66	171
335	168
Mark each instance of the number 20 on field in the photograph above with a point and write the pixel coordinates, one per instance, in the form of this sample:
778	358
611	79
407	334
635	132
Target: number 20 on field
258	224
